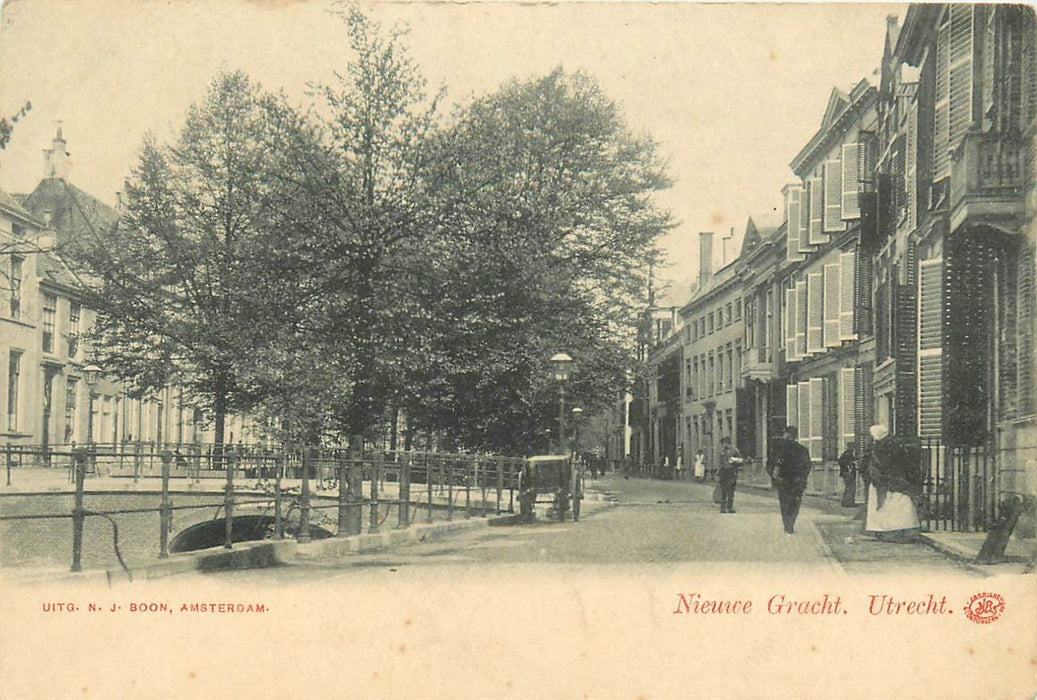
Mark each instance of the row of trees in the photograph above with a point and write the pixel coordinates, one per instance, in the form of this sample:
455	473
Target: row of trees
335	266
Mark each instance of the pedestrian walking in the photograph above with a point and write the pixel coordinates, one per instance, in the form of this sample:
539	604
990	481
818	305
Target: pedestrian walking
789	468
848	472
730	461
895	487
700	465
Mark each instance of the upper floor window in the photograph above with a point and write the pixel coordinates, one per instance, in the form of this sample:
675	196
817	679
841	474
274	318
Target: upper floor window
50	312
74	312
728	316
16	286
710	317
738	309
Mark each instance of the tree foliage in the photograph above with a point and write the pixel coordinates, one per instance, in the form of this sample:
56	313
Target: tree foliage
330	268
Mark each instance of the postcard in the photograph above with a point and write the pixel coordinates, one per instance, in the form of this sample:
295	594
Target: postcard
517	350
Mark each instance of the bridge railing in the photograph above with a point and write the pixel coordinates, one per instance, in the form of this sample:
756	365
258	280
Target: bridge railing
301	492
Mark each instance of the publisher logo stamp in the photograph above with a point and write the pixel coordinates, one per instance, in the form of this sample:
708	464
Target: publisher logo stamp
984	608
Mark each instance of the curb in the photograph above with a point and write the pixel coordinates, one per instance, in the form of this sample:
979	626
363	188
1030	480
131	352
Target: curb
266	554
966	560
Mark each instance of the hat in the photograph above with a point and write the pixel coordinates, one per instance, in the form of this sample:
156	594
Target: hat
878	431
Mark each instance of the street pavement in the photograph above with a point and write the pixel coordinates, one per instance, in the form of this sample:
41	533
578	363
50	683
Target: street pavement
639	522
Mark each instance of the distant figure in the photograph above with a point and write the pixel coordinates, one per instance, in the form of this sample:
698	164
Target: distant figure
730	462
848	472
895	486
700	465
678	470
789	469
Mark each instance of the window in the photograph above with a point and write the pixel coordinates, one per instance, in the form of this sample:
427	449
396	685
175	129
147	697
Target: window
16	287
738	309
729	368
50	308
728	315
70	409
14	373
710	322
738	359
712	374
74	311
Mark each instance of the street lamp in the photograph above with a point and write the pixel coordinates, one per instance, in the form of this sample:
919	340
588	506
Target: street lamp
91	373
561	364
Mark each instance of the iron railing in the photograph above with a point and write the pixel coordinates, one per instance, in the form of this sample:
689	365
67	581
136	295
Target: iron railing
274	480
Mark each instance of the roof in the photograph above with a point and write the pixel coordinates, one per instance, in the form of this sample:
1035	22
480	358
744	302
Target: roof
840	107
73	212
11	205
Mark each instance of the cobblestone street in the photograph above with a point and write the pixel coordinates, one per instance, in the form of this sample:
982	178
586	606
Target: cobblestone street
640	522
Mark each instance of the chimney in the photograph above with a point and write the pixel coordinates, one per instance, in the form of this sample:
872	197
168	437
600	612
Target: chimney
55	158
705	258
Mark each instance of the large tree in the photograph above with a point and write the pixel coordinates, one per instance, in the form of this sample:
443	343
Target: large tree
547	212
175	283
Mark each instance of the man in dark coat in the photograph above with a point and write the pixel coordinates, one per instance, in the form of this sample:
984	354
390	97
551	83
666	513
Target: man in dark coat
790	468
848	472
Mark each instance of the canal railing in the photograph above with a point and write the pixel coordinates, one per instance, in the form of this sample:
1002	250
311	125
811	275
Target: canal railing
301	489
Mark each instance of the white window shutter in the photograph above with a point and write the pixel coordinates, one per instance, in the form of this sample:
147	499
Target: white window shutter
851	185
832	305
930	348
817	413
833	197
804	413
801	319
847	401
792	405
790	324
792	217
815	317
817	211
846	296
804	220
911	167
960	78
941	113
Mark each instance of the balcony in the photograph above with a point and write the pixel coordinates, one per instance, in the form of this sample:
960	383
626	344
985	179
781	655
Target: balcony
758	364
987	180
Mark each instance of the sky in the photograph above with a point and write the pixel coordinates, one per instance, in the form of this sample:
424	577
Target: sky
730	92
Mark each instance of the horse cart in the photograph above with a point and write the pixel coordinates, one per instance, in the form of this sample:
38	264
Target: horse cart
554	479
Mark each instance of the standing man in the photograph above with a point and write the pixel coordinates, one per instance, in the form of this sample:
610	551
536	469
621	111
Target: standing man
730	460
848	472
789	470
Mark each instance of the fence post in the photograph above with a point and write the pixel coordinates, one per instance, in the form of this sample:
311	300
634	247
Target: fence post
428	479
499	464
376	473
468	491
278	518
166	511
356	494
404	508
228	499
343	493
450	490
303	534
79	465
10	458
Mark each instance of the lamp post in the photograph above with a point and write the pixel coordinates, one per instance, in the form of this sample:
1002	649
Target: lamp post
561	364
91	373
